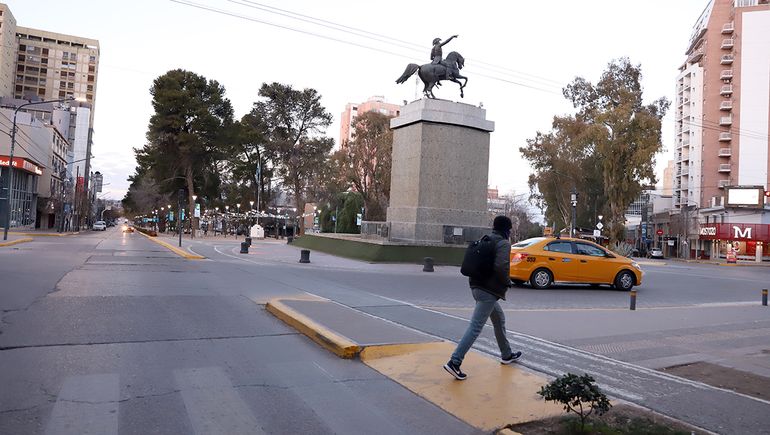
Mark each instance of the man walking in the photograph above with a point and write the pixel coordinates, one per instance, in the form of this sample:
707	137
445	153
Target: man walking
486	292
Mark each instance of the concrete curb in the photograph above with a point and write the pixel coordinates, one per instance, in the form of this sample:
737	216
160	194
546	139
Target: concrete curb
16	242
174	249
337	344
45	234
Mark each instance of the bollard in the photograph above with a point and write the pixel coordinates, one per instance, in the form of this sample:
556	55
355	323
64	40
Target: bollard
764	296
244	248
304	256
427	264
633	300
248	240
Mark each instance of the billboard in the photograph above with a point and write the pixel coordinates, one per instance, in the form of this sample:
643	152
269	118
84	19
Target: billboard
746	196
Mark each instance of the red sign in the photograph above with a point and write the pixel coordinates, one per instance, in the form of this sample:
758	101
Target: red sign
23	164
739	232
659	232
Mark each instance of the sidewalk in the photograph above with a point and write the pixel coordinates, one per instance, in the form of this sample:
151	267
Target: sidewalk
417	366
495	396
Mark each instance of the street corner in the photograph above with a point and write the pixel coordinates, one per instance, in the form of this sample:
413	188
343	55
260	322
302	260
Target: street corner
493	396
174	249
325	337
15	241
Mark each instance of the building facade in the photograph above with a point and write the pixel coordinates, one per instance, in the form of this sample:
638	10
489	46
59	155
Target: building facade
373	104
722	112
39	65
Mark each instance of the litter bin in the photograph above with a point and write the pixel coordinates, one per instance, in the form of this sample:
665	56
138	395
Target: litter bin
244	248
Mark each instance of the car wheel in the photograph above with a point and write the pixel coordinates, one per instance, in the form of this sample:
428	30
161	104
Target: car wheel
624	281
541	278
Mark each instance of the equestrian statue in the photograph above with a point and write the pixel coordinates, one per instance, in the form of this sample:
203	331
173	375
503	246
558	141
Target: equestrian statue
438	69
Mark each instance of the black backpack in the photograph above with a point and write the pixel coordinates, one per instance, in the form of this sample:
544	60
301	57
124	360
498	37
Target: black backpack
479	259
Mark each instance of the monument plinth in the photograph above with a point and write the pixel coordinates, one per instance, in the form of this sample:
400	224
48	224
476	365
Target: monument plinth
440	170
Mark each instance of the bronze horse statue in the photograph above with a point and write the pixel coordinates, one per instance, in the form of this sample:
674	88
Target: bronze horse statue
432	74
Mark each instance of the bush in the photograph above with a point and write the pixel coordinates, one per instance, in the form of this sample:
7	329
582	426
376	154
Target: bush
574	392
622	248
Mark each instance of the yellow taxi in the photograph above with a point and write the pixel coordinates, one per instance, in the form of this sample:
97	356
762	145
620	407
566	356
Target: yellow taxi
545	260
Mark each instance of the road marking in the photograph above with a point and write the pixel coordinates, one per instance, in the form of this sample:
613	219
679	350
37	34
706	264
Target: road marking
86	404
213	405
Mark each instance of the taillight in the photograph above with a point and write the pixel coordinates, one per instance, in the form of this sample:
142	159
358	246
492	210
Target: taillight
519	257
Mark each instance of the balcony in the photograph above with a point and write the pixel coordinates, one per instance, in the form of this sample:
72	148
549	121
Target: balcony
726	59
728	28
728	44
725	136
723	183
724	168
725	152
725	120
726	74
726	90
726	105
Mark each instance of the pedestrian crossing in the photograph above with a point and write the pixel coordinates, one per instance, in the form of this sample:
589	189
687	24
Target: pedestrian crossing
215	404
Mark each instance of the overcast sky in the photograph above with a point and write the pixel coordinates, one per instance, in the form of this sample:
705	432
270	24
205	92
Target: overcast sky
518	57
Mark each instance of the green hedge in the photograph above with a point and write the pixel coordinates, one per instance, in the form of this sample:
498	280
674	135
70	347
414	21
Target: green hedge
376	253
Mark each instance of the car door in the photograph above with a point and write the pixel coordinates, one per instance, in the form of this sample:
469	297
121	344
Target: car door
561	261
593	264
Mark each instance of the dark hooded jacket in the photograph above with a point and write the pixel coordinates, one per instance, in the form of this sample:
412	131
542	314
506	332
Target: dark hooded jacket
497	284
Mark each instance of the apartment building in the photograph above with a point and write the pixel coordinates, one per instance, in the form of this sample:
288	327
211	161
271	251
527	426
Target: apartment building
722	112
373	104
39	65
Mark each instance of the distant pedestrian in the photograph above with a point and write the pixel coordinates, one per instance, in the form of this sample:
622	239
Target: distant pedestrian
486	292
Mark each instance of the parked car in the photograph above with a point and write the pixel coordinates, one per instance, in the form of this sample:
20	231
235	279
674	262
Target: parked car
541	261
655	253
99	226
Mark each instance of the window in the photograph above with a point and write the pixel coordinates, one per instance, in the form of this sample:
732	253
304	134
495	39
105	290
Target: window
63	74
564	247
586	249
61	94
528	242
92	59
45	52
91	68
62	85
90	88
20	68
90	78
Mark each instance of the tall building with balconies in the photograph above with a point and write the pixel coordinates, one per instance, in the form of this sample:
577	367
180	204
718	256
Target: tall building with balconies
373	104
722	104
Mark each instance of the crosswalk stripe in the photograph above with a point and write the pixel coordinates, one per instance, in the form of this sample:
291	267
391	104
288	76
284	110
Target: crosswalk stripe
213	405
86	404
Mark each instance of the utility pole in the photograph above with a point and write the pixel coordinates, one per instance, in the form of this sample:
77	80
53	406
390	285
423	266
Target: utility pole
573	200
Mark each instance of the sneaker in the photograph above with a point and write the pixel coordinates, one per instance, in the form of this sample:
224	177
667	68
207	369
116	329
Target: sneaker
514	356
455	371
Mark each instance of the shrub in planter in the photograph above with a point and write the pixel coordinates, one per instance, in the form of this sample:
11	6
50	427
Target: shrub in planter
578	394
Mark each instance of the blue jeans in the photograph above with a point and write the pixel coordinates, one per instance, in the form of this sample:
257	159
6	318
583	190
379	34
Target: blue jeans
486	307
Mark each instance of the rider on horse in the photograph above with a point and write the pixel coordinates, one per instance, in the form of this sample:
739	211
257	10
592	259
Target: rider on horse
437	57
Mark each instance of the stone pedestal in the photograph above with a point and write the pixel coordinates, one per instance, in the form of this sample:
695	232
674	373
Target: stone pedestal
440	170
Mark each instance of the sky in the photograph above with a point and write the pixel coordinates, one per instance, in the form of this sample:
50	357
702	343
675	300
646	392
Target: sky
519	55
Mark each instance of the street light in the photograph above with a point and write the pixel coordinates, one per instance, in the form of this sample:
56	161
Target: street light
573	198
10	159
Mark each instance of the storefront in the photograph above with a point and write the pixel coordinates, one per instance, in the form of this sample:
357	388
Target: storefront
746	241
23	191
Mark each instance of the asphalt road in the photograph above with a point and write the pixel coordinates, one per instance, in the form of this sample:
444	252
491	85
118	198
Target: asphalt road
109	333
119	329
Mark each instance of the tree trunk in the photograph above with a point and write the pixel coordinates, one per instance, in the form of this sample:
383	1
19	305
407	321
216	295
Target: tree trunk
190	201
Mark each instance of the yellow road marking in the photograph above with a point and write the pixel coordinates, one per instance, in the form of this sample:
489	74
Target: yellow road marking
180	252
16	242
493	396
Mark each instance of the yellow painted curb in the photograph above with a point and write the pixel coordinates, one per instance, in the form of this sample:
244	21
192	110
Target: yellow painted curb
16	242
493	396
45	234
337	344
180	252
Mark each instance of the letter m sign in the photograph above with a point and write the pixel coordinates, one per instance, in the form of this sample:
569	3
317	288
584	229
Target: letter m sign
745	234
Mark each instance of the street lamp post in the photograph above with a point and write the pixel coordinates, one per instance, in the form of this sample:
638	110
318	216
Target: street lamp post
573	198
10	160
